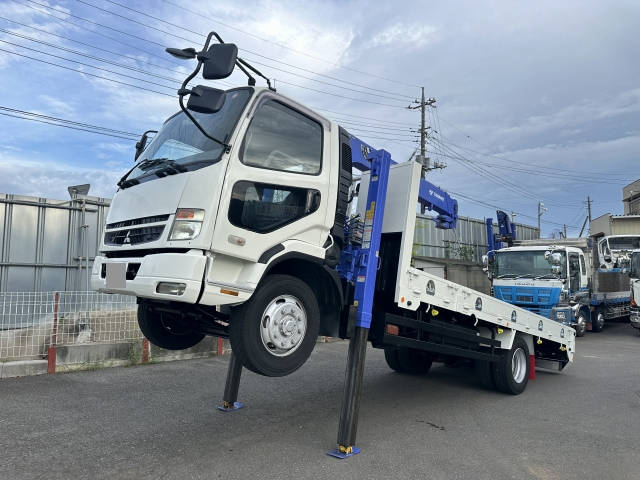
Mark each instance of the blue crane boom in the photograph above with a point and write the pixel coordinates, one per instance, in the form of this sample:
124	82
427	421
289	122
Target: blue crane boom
431	197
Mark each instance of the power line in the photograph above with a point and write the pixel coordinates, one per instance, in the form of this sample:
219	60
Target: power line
71	122
285	47
162	57
508	159
203	35
338	95
86	73
361	116
98	132
88	65
132	57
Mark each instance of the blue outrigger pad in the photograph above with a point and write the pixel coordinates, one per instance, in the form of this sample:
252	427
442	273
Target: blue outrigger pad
338	454
236	406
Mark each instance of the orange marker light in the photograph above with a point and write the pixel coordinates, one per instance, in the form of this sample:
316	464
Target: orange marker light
392	329
229	292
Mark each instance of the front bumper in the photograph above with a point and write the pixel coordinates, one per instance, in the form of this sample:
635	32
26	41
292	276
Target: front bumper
187	268
634	317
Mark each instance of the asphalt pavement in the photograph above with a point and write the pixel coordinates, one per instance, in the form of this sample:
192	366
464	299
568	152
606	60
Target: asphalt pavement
159	421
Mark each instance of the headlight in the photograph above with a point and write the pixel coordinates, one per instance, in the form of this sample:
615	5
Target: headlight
187	224
561	315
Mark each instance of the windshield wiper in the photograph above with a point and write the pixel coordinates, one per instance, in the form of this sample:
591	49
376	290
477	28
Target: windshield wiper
526	275
170	169
507	275
547	275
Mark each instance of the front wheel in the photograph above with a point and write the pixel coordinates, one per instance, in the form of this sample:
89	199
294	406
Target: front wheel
511	371
581	323
597	324
274	332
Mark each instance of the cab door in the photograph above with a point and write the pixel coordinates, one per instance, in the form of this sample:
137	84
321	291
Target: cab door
574	272
277	183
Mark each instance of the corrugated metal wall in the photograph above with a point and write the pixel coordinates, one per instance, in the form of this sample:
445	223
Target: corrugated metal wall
467	242
43	243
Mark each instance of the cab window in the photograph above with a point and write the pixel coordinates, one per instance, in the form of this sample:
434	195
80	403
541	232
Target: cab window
280	138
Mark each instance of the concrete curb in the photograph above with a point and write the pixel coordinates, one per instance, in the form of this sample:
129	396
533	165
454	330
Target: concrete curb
22	368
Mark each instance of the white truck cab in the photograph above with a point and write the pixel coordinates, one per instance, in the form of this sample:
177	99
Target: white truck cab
635	289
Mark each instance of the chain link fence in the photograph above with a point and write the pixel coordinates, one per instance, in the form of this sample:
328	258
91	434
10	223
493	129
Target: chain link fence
33	322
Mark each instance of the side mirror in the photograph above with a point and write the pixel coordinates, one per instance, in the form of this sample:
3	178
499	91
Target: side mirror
219	61
206	99
556	259
142	143
485	261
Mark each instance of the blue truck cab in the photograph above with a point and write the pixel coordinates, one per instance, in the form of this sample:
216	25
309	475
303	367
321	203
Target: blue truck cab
549	280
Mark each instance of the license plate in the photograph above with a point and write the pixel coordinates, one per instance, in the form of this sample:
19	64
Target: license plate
116	275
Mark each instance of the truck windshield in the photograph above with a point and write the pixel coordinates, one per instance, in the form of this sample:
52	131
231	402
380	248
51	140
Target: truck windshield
624	243
526	264
635	265
179	146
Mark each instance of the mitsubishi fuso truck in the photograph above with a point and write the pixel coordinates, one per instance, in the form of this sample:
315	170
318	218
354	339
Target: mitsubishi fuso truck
580	282
240	219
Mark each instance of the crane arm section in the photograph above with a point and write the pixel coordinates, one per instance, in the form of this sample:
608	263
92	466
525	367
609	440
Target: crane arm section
430	196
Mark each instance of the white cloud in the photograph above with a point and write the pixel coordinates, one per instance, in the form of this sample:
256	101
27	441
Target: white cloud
402	34
50	179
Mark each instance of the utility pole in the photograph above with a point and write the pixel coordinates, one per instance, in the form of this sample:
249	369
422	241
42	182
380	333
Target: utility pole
564	229
541	210
589	212
513	216
422	105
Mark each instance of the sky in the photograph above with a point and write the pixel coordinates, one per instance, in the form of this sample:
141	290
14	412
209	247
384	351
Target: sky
535	101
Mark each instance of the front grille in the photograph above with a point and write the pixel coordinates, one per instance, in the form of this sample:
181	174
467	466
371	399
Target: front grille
133	236
138	221
525	298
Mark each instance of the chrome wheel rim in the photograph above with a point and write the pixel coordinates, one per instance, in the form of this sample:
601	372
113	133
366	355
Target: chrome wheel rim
283	325
518	365
600	320
582	323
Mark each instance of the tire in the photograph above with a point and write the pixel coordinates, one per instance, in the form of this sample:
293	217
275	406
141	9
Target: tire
484	371
165	330
597	323
581	323
407	360
262	330
511	371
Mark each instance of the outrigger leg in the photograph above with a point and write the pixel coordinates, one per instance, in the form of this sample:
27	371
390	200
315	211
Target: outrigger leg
230	397
351	397
365	271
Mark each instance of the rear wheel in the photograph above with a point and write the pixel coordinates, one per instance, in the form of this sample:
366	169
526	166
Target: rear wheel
597	324
581	323
407	360
166	330
511	371
275	331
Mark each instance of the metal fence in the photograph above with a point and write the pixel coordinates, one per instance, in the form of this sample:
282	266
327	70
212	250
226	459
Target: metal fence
467	242
48	245
33	322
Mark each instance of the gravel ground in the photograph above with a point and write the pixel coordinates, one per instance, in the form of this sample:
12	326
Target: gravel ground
159	421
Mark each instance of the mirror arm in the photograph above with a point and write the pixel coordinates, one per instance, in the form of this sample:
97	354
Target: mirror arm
257	72
252	81
184	91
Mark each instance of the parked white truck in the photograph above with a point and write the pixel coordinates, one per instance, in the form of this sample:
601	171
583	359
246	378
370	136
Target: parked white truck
234	223
634	316
579	282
